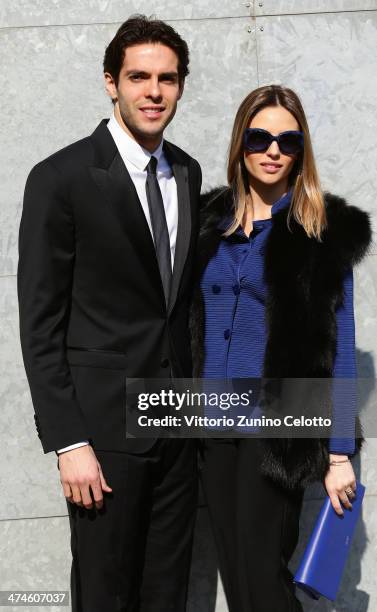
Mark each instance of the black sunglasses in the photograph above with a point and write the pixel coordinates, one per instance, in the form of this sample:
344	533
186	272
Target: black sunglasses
257	140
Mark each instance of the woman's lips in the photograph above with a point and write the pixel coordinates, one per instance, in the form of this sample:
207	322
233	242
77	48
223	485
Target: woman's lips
271	168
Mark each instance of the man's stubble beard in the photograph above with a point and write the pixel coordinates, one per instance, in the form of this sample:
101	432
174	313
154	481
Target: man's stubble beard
138	133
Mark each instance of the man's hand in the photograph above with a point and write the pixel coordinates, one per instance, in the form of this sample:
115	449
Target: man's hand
337	480
80	471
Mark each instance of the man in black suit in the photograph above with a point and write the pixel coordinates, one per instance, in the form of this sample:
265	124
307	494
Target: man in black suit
106	246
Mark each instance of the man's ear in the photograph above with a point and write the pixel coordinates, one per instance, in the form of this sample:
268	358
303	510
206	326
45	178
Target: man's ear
110	86
181	88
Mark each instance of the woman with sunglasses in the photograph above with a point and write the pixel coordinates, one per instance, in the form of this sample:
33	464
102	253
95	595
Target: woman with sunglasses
275	301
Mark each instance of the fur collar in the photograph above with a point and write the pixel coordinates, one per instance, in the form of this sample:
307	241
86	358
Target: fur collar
348	226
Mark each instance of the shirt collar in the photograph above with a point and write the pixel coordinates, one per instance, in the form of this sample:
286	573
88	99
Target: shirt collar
131	150
283	202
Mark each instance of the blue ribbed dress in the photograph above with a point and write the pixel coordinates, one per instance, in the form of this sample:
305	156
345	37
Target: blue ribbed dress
234	295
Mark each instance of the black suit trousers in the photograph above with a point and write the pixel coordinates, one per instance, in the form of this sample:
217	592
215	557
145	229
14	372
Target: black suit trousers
134	554
255	525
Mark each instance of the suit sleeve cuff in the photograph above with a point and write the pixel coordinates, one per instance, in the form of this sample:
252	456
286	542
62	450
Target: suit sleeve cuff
71	447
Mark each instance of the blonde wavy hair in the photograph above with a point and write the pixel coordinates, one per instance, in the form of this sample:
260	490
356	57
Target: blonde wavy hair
307	204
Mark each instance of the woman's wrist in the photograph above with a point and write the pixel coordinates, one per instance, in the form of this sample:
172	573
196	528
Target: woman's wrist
335	459
338	456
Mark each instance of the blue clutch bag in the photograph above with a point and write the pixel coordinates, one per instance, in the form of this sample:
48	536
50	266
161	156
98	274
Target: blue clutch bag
321	567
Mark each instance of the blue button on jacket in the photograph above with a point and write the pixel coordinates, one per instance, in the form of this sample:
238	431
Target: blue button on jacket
234	294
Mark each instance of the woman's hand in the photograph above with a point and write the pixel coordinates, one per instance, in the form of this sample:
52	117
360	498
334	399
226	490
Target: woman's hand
337	480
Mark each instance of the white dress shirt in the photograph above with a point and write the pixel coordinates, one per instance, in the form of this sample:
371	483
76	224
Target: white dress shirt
136	159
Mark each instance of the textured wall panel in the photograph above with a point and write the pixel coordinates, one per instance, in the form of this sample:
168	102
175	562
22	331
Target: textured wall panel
10	350
368	467
224	70
53	95
56	12
35	555
365	468
286	7
334	72
10	213
357	592
366	336
53	86
29	479
366	316
60	98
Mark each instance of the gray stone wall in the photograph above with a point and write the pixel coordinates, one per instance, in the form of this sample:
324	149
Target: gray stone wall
52	94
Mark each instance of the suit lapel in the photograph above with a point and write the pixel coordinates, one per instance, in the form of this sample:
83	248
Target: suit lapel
112	178
180	172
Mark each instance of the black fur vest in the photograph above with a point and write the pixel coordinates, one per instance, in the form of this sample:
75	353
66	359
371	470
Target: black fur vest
305	287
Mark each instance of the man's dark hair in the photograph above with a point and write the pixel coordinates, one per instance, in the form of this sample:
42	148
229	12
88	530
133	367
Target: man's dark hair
139	29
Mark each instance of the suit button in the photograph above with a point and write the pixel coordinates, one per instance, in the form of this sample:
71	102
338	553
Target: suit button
216	288
236	289
227	334
164	363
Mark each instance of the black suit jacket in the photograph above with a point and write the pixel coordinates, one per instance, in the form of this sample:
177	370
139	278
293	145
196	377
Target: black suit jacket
92	306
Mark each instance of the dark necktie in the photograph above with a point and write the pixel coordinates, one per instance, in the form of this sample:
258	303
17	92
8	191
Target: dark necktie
159	226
